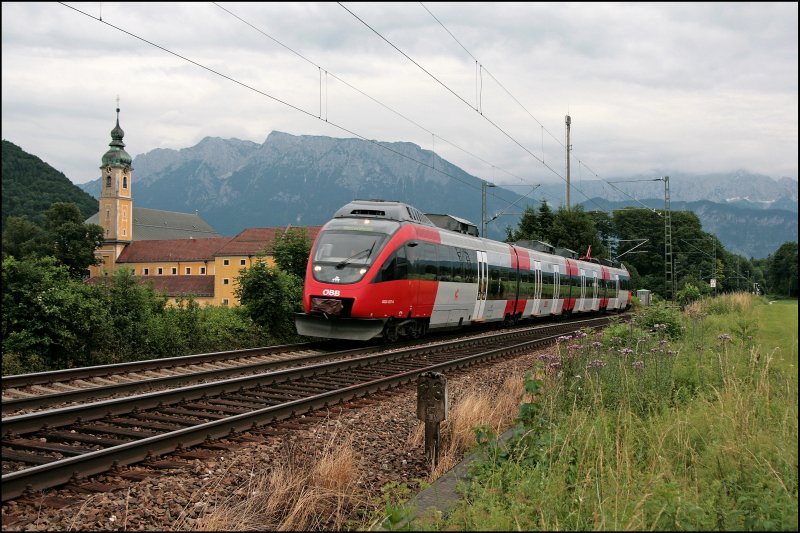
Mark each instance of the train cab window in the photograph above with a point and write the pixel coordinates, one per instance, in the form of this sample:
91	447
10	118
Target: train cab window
395	268
346	249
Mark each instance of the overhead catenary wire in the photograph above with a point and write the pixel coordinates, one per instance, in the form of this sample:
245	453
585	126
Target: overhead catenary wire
331	74
258	91
504	132
483	68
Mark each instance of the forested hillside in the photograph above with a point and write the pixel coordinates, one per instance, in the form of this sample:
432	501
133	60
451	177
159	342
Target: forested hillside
31	186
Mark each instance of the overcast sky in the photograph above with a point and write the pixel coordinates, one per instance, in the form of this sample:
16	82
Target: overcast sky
688	87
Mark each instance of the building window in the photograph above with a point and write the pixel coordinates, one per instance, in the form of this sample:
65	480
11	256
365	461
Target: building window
225	281
188	271
224	301
145	271
226	262
108	214
160	271
202	270
108	180
124	182
242	261
174	270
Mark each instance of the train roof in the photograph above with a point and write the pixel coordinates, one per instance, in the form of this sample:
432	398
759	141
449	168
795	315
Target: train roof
453	223
383	209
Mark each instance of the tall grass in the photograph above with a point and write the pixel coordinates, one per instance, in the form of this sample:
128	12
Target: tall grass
701	438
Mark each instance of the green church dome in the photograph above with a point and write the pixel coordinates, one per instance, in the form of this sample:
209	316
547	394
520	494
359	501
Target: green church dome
116	155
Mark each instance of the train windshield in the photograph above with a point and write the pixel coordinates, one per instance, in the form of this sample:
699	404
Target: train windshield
346	248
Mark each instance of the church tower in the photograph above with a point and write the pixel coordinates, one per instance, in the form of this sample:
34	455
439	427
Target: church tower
116	204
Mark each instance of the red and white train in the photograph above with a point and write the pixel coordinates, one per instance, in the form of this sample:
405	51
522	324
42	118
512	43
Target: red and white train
383	269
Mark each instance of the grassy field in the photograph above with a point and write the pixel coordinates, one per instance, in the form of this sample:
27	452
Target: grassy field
681	421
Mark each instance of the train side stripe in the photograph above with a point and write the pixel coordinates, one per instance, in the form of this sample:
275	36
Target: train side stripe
429	234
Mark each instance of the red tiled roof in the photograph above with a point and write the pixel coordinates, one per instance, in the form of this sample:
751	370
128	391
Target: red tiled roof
251	241
171	285
172	250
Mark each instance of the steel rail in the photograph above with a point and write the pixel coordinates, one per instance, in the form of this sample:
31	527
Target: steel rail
16	404
38	378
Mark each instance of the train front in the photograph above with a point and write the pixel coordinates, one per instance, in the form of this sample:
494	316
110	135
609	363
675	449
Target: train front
336	295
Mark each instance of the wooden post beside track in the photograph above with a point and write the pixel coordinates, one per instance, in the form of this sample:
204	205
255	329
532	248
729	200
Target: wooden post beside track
432	409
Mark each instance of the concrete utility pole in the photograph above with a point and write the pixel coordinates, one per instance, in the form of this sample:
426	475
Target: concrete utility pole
669	278
569	147
484	184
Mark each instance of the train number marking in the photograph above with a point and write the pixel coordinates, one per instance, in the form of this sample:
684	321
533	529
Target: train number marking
387	301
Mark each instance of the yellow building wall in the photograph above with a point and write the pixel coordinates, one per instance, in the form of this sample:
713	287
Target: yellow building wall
226	274
222	268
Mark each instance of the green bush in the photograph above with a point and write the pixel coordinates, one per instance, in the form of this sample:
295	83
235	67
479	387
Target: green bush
663	314
688	294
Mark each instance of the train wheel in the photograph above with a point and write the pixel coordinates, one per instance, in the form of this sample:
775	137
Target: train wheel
390	333
414	330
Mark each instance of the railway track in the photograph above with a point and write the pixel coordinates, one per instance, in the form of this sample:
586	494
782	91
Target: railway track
36	391
29	392
49	448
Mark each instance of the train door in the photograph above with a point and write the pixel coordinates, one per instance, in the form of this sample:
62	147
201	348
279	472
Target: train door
558	303
483	286
537	288
618	302
580	305
595	300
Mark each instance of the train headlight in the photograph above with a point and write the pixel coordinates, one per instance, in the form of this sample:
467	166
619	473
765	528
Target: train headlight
362	271
317	268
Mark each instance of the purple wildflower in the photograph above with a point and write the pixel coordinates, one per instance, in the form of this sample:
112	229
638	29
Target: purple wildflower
638	365
724	337
597	363
626	351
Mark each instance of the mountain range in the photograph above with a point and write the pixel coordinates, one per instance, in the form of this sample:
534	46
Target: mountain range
303	180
